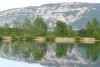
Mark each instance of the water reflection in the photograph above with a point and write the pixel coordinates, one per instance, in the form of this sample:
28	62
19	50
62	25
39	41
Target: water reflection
92	50
52	54
62	49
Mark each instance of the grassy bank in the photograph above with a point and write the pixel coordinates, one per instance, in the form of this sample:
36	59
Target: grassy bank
52	39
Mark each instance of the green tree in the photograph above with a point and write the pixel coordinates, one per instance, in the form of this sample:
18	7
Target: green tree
61	28
40	28
16	25
70	31
27	24
93	28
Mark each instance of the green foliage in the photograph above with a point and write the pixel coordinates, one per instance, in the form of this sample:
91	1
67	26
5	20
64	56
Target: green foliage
27	25
77	38
40	50
29	30
50	37
40	28
1	38
81	32
62	49
16	24
92	50
93	28
70	31
61	29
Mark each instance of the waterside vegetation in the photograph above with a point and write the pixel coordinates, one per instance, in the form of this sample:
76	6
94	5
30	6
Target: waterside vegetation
29	30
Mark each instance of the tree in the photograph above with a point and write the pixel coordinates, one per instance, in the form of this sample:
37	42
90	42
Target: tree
70	31
81	32
6	25
60	29
93	29
27	24
40	28
16	25
6	29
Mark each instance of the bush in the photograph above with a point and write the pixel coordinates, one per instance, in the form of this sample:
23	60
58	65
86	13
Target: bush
29	38
1	38
50	38
77	38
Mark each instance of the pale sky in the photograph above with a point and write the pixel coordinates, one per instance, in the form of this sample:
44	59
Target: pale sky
9	4
10	63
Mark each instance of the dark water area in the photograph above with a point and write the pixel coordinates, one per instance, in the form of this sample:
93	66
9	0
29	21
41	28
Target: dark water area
52	54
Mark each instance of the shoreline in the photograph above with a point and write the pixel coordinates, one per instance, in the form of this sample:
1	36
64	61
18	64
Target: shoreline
56	39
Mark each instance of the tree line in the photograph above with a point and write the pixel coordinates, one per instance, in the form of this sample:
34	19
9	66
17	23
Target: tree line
39	28
92	29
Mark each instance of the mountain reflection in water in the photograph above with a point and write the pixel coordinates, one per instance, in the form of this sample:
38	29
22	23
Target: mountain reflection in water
52	54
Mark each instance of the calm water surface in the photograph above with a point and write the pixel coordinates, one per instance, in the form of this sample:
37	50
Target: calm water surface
52	54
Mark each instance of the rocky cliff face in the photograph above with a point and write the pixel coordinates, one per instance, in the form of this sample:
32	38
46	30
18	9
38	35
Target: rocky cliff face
77	14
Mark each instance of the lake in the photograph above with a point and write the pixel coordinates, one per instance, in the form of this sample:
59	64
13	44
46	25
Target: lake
52	54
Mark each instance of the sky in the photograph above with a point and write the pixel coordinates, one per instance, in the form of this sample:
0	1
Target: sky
10	63
9	4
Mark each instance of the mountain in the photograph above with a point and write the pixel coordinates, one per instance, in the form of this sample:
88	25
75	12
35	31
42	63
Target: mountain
75	13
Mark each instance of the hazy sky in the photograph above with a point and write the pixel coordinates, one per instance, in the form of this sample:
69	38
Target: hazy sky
8	4
10	63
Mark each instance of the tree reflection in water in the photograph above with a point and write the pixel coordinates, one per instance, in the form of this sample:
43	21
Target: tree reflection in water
92	50
26	50
30	50
62	48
